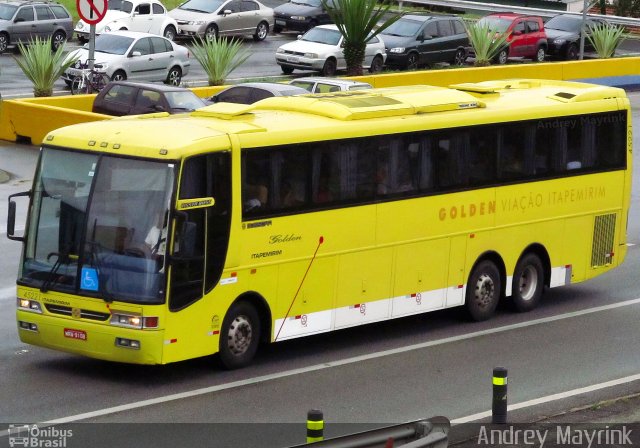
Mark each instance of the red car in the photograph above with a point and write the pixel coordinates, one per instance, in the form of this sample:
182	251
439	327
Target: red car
526	37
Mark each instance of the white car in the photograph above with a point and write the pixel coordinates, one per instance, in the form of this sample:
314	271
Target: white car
326	85
146	16
137	56
320	49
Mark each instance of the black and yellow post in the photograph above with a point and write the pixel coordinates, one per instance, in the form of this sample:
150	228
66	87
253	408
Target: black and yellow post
499	404
315	426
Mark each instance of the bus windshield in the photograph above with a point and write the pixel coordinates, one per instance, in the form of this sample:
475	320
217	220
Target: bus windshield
98	226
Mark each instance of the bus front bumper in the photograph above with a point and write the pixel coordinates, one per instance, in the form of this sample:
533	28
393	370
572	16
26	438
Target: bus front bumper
100	341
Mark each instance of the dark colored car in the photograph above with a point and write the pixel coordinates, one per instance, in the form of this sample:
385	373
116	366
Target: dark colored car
417	40
525	35
300	15
132	98
250	92
563	35
23	21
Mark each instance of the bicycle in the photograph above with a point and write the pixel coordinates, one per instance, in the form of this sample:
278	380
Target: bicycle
90	81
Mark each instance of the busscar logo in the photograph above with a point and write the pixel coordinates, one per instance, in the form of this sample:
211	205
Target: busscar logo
34	437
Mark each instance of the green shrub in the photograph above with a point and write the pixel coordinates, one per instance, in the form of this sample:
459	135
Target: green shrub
219	57
486	43
606	38
41	66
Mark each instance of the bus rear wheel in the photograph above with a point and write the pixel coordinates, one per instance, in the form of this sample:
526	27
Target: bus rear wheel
483	291
240	336
528	283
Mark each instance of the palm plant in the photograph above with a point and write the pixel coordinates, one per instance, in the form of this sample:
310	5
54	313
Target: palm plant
41	66
219	57
357	21
605	39
486	43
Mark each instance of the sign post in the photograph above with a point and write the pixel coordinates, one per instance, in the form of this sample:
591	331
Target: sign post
92	12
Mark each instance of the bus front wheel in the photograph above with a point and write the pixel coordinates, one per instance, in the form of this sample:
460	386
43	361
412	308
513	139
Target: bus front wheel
240	336
528	283
483	291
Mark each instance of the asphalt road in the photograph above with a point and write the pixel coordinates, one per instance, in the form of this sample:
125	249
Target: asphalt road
580	346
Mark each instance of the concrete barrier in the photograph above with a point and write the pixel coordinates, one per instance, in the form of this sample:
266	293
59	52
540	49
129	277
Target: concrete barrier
33	118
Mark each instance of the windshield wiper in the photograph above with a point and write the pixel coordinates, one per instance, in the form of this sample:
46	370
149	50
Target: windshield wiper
52	277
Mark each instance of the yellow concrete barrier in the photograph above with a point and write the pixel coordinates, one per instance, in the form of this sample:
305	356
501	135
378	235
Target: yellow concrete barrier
33	118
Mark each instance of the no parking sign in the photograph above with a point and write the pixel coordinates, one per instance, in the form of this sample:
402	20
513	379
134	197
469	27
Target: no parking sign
91	11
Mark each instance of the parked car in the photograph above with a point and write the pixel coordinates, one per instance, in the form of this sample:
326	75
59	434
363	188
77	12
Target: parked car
250	92
132	98
416	40
525	35
213	18
321	49
130	55
300	15
24	21
563	35
147	16
326	85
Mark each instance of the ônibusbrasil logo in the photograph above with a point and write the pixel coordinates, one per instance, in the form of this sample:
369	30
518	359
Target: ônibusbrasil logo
33	436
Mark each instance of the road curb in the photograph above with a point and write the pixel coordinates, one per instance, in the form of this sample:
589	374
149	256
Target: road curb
4	177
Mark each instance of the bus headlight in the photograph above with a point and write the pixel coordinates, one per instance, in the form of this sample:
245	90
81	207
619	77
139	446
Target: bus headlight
29	305
134	321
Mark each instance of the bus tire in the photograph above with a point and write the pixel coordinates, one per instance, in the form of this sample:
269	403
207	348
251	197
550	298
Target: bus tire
528	283
483	291
240	336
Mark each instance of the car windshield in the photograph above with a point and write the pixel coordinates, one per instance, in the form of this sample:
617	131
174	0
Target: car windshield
87	234
496	24
186	100
7	11
316	3
564	23
404	28
207	6
112	44
120	5
322	36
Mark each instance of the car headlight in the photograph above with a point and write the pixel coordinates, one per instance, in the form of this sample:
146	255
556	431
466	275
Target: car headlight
79	25
559	41
197	22
298	18
280	50
397	50
107	29
311	55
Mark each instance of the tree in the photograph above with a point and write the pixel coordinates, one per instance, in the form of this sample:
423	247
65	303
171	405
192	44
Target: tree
41	66
357	21
219	57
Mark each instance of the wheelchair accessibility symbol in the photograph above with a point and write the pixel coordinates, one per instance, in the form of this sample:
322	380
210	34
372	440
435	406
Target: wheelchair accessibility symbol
89	280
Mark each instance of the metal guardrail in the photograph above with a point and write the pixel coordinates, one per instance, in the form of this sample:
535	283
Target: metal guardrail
467	5
427	433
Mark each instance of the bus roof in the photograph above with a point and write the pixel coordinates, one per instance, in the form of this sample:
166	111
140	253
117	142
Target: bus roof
331	115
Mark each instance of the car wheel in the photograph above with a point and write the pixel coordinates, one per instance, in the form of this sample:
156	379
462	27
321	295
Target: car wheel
170	32
460	57
286	69
119	76
483	291
502	56
4	42
174	77
540	54
261	31
330	67
528	283
572	53
240	335
211	32
58	40
376	65
69	82
412	61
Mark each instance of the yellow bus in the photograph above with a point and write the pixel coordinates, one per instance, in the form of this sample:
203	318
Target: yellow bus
155	239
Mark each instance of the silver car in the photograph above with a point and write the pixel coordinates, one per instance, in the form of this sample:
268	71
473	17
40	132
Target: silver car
213	18
130	55
326	85
24	21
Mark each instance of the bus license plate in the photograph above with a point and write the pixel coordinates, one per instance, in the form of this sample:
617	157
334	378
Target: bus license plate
75	334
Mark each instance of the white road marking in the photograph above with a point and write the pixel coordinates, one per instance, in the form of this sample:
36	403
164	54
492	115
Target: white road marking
356	359
549	398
